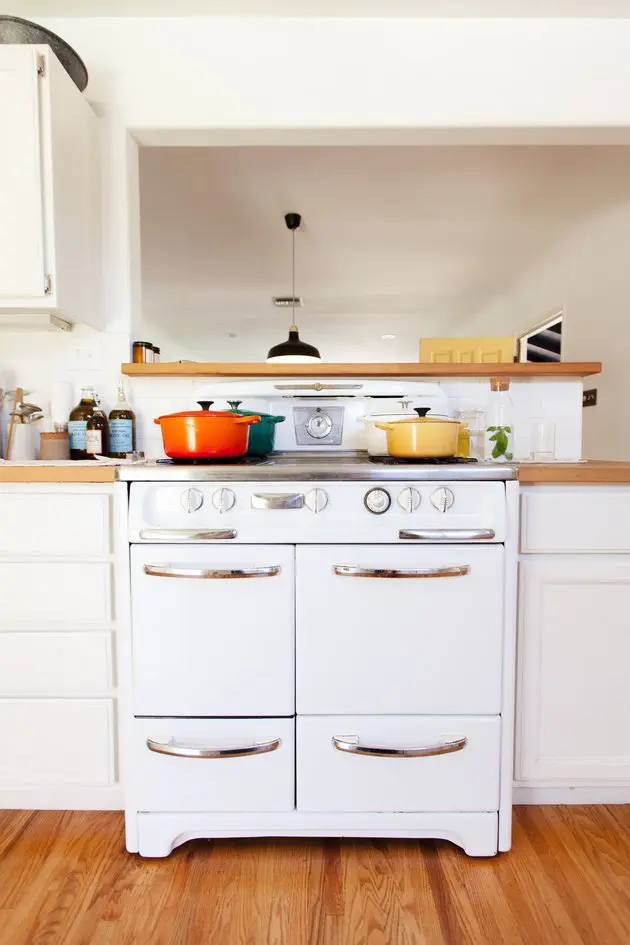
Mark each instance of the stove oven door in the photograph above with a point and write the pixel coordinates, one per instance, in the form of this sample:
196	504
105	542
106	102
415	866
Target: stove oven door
213	630
385	629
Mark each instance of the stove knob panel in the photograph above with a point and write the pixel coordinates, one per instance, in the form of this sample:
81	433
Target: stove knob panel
191	500
442	499
316	500
223	500
377	501
409	499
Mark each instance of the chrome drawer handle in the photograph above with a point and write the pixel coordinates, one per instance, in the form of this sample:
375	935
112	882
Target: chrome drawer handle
187	534
448	534
162	570
346	570
189	751
350	743
277	500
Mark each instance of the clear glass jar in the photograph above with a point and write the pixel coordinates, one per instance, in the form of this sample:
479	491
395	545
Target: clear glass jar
474	418
499	432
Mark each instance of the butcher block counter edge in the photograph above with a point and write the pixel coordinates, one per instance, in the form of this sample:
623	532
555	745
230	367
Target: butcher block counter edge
592	471
69	473
408	369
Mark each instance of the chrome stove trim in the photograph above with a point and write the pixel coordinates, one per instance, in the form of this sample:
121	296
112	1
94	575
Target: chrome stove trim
308	467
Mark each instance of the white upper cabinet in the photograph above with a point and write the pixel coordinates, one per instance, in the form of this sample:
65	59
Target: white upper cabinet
50	247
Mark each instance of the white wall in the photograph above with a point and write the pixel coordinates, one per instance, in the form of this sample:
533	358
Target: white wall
589	276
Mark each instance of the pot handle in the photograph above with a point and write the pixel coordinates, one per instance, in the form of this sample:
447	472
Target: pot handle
246	420
158	420
275	419
384	426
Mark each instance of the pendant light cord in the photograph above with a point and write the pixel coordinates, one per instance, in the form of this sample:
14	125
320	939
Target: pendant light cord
293	325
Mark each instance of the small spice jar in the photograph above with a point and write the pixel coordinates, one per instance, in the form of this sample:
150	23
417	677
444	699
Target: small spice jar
54	446
156	354
142	352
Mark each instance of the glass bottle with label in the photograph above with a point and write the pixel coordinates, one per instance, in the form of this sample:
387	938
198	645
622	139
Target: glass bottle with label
122	428
77	424
96	433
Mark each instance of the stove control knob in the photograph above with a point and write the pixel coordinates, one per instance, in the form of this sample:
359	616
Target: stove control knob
409	499
377	501
191	500
316	500
223	500
442	499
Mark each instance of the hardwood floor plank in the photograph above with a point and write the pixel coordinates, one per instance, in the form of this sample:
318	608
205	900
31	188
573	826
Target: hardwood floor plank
65	879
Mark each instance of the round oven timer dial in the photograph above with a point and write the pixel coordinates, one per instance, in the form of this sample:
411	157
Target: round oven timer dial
319	425
377	501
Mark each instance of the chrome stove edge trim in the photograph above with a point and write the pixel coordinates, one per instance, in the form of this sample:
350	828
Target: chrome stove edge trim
318	472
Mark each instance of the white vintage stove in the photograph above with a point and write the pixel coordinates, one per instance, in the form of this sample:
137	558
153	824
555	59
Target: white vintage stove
321	645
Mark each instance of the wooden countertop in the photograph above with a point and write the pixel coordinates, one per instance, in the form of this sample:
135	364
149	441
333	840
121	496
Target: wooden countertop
592	471
70	472
369	369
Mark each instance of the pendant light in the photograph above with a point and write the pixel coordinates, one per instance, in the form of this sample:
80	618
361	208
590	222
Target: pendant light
293	351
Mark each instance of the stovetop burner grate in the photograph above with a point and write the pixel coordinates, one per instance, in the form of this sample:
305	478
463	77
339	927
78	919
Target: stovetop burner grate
233	461
427	461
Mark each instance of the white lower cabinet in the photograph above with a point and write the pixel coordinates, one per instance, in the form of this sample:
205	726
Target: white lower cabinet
58	617
355	763
213	765
574	669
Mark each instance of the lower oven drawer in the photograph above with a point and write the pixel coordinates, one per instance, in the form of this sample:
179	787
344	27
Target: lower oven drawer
368	772
213	765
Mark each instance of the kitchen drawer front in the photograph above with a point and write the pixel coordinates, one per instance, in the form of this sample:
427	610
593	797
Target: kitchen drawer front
575	519
329	779
50	663
54	524
209	640
58	594
428	641
262	778
56	742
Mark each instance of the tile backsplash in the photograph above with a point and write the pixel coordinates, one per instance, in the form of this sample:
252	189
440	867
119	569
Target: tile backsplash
557	400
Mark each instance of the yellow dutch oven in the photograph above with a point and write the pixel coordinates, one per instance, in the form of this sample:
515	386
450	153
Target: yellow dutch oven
421	437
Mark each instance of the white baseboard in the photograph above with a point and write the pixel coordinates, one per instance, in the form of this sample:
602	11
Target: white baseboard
71	797
572	794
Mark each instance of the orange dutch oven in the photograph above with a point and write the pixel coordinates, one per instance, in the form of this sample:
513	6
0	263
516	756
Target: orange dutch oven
205	434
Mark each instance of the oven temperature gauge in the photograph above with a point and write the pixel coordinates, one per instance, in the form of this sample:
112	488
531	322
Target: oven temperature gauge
377	501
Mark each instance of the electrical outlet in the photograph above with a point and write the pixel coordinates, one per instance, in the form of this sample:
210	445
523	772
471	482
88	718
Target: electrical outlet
84	356
589	398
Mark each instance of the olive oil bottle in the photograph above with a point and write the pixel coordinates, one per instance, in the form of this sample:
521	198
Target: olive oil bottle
87	427
122	428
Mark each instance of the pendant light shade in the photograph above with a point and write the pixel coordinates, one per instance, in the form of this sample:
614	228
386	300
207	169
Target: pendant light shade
293	351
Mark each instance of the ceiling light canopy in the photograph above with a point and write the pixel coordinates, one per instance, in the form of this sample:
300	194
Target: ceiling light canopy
293	350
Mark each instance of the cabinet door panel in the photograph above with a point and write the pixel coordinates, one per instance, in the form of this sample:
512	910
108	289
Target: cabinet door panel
21	218
574	659
56	741
421	643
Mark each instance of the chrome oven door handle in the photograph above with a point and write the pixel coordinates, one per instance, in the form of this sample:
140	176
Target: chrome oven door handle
318	387
447	534
172	747
163	570
351	744
346	570
277	500
187	534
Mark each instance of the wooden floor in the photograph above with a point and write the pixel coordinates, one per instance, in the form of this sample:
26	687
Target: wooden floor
65	878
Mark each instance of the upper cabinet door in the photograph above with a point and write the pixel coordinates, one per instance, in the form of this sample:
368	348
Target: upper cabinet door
467	350
22	263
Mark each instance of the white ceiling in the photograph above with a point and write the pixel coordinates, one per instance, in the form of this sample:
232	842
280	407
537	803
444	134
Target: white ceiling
424	236
432	8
